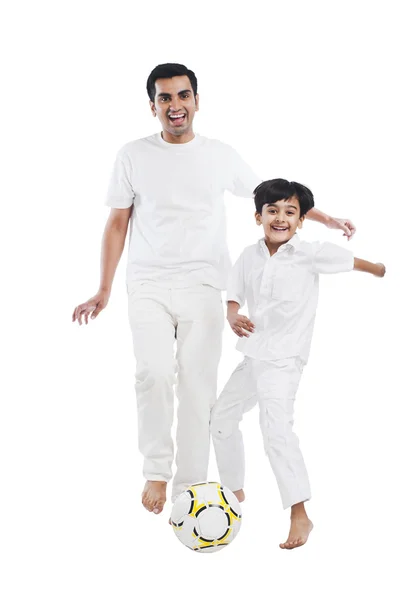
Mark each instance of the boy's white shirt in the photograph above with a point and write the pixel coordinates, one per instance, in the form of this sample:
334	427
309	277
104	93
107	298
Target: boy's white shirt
281	292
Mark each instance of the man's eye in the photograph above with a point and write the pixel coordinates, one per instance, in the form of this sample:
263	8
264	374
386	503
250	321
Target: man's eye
164	99
185	96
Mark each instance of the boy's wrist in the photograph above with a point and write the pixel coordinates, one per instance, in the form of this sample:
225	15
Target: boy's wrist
328	221
232	308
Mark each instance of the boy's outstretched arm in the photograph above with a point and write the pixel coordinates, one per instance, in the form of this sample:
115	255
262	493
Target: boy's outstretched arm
377	269
331	222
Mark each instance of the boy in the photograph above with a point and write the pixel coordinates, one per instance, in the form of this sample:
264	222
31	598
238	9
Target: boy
278	277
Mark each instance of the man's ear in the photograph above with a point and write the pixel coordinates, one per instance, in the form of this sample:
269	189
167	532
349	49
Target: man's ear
153	109
197	100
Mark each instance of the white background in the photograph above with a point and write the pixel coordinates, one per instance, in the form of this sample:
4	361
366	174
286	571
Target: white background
310	91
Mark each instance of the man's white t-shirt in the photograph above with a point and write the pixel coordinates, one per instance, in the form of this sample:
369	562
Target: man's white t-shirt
178	226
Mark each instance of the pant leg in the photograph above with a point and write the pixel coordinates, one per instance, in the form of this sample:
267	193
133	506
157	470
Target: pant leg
238	396
153	332
277	384
200	317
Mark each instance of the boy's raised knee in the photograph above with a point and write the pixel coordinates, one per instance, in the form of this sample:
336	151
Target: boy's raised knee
221	430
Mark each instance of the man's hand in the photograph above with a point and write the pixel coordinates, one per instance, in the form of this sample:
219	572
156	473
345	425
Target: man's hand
240	324
92	307
344	224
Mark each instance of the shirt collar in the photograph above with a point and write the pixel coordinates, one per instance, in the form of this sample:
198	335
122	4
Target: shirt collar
292	245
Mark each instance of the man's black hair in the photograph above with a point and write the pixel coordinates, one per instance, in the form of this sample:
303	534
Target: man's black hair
269	192
166	71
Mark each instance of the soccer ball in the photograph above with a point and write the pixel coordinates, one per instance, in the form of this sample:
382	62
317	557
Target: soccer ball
206	517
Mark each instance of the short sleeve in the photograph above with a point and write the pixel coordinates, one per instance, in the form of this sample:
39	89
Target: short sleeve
120	192
236	282
331	258
242	179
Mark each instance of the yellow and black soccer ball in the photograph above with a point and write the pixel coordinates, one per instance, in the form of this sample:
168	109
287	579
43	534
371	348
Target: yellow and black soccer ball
206	517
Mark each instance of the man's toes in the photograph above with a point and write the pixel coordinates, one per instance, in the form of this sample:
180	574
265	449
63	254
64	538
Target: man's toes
146	502
158	507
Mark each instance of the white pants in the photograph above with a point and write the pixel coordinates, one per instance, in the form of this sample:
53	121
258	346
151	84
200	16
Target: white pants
194	318
273	384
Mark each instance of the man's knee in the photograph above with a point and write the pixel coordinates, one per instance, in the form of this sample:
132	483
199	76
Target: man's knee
155	374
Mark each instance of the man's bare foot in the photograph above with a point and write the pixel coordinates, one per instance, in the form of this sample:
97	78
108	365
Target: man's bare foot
300	528
154	496
239	494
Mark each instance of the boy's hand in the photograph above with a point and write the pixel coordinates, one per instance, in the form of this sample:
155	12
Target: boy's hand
344	224
93	306
240	324
381	270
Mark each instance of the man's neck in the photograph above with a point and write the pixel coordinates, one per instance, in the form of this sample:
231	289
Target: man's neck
178	139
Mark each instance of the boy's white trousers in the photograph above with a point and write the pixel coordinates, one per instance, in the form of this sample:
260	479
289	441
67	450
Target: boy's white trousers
192	317
273	384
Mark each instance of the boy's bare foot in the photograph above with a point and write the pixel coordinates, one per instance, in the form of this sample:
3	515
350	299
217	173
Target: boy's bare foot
300	528
239	494
154	496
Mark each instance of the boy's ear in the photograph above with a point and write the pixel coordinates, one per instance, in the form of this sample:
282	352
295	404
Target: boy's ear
153	109
300	223
258	218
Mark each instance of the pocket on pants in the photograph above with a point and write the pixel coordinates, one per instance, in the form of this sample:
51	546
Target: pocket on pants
215	291
134	286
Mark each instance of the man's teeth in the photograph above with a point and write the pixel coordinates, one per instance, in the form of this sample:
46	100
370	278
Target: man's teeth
176	116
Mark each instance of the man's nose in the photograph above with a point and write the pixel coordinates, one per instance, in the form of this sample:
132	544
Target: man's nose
175	104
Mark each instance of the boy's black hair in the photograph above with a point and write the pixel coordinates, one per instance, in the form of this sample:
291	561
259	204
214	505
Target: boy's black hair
269	192
166	71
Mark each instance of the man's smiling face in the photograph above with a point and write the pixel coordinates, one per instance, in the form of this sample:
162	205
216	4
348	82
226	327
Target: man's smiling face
175	104
280	220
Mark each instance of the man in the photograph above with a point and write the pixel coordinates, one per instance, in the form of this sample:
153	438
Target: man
170	187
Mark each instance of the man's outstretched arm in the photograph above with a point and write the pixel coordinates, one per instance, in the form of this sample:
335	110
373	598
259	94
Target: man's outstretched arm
331	222
112	248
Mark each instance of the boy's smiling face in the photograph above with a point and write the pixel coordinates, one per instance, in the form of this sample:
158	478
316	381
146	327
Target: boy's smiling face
280	220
